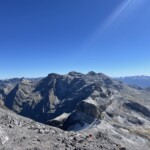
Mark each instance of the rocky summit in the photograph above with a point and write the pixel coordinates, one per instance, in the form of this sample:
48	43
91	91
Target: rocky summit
87	111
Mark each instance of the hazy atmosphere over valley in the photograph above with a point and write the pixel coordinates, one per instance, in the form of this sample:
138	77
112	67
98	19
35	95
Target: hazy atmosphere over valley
74	75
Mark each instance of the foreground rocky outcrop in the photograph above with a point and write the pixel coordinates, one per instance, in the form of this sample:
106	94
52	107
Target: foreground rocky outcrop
19	133
94	105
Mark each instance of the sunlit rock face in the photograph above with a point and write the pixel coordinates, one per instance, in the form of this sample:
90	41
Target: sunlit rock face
3	136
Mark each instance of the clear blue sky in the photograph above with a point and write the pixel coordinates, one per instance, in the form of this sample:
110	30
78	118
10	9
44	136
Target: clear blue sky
38	37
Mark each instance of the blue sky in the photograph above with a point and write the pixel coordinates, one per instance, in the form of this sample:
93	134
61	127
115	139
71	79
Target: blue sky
38	37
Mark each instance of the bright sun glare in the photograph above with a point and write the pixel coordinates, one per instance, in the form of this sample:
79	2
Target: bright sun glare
127	6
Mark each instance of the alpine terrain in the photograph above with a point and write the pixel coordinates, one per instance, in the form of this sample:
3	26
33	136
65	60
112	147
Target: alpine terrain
73	111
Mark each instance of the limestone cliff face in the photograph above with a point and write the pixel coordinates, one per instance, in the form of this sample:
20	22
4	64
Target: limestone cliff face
57	94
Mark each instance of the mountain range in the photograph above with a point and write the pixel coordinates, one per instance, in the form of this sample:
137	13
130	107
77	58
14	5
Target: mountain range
140	81
98	111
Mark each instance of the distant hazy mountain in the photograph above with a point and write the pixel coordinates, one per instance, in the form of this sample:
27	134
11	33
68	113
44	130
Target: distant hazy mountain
142	81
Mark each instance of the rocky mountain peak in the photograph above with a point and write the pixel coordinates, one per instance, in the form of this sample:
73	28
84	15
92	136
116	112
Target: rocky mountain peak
91	73
52	75
75	74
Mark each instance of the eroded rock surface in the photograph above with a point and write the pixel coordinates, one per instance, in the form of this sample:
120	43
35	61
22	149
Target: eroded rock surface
19	133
